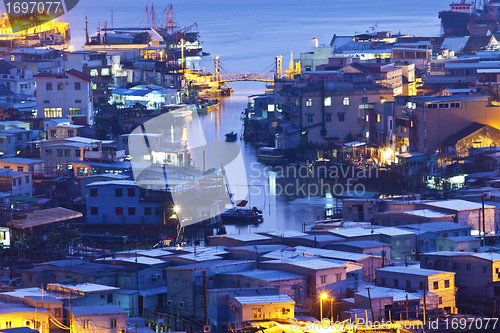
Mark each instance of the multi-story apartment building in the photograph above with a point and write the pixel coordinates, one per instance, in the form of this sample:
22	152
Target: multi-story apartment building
19	80
415	278
94	64
477	274
324	104
65	94
423	123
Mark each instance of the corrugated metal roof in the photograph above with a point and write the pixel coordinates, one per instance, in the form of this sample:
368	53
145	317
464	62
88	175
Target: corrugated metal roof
457	205
310	263
114	182
81	287
264	299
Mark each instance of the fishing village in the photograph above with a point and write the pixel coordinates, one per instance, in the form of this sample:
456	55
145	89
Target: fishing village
354	188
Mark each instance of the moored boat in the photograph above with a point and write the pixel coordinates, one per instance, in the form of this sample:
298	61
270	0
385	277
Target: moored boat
231	137
270	155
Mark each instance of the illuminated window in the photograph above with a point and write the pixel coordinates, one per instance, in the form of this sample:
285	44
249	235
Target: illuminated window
309	102
328	101
52	112
379	118
105	72
12	58
346	101
75	111
94	86
257	313
119	210
94	72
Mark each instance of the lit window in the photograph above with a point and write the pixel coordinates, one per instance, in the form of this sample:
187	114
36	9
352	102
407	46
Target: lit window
119	210
378	118
105	72
346	101
309	102
52	112
257	313
94	72
94	86
75	111
328	101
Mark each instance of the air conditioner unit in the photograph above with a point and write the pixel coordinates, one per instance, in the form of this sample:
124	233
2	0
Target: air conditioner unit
170	302
183	304
487	195
413	251
156	277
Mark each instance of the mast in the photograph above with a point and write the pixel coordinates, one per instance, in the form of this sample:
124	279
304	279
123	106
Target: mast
153	19
147	17
86	30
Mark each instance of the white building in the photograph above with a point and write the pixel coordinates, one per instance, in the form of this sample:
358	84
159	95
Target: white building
19	80
268	307
63	95
98	319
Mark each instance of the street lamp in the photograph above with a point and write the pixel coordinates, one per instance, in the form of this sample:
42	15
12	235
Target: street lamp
323	296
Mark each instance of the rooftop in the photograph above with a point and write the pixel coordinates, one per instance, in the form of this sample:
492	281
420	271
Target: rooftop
81	287
364	244
435	227
264	299
21	160
284	233
45	216
459	239
487	256
411	270
309	263
268	275
114	182
246	237
457	205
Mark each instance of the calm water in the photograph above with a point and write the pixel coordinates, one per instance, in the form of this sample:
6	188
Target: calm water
248	35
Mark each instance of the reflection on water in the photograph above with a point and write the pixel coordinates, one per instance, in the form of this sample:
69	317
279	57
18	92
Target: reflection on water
281	211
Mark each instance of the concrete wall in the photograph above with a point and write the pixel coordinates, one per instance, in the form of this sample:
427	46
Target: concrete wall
100	323
19	319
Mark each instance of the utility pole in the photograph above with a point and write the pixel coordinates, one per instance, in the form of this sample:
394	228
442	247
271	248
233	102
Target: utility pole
424	290
406	306
205	298
371	307
484	223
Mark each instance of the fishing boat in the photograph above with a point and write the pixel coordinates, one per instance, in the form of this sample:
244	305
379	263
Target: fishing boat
207	105
241	215
455	20
270	155
231	137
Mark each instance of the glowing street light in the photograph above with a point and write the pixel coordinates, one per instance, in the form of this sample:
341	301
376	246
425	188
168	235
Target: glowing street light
316	41
177	209
323	296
